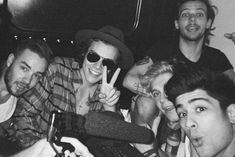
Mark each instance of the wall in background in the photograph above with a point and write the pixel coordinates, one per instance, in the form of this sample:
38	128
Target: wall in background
224	23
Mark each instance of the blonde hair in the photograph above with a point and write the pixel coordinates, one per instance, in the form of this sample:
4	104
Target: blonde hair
154	71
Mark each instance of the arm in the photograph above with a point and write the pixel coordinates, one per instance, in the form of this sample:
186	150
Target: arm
132	78
145	113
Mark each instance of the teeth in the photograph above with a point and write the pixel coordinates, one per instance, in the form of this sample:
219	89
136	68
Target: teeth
94	72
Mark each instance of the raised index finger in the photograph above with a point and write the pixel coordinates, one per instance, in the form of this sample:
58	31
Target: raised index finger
104	75
115	75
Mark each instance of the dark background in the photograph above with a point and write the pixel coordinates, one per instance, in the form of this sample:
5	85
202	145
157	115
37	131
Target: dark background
57	21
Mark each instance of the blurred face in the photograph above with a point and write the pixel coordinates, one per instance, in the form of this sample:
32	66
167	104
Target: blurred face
157	90
24	71
93	65
208	128
192	22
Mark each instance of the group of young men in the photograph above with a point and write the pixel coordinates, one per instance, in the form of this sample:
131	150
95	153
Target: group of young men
201	86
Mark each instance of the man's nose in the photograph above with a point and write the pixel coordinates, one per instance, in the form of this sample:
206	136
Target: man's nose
98	64
192	17
190	123
28	79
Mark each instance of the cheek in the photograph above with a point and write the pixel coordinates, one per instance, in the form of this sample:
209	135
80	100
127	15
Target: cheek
182	22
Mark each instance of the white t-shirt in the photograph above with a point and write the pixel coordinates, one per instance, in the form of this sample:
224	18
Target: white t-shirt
7	109
184	149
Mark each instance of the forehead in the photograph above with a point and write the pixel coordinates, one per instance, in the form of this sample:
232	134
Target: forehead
32	59
198	96
160	80
193	5
104	50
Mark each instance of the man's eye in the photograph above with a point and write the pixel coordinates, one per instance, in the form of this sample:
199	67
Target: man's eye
37	76
156	93
24	69
184	14
181	114
200	109
200	14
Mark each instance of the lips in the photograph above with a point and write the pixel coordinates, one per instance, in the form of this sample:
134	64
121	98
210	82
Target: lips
94	72
196	141
192	28
21	86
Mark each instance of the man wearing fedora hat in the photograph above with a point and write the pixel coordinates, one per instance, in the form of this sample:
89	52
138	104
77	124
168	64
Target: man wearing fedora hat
74	86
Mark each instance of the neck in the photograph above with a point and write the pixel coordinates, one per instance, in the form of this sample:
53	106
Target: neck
191	49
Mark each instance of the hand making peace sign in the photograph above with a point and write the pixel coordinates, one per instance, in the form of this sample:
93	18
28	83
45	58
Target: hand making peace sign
109	95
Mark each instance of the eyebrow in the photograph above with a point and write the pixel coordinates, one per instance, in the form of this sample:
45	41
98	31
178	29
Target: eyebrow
23	62
189	9
193	100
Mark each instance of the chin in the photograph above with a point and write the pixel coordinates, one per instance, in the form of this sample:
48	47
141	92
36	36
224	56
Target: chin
92	79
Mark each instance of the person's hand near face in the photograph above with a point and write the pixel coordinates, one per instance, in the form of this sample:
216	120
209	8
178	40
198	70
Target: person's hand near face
109	95
230	36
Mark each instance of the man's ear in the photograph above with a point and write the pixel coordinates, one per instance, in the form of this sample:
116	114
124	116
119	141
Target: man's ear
10	59
231	113
208	24
176	24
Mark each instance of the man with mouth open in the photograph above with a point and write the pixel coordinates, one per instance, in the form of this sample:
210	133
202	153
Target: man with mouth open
78	85
205	104
193	26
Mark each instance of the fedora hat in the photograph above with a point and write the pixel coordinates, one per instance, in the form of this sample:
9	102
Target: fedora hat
113	36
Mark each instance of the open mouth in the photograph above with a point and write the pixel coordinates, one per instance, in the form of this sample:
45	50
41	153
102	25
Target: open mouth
21	87
197	141
94	72
192	28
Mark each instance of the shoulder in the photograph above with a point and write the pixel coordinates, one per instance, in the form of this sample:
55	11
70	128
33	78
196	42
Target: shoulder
213	51
216	54
63	60
63	63
215	59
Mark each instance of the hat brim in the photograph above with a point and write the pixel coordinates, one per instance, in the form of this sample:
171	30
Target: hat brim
126	59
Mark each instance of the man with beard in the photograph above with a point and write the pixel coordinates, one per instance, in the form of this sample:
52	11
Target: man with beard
19	73
205	104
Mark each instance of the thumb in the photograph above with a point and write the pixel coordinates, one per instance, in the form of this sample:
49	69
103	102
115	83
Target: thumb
228	35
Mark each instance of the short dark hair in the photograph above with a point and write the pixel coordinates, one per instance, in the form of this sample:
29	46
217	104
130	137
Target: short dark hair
37	46
211	13
188	78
